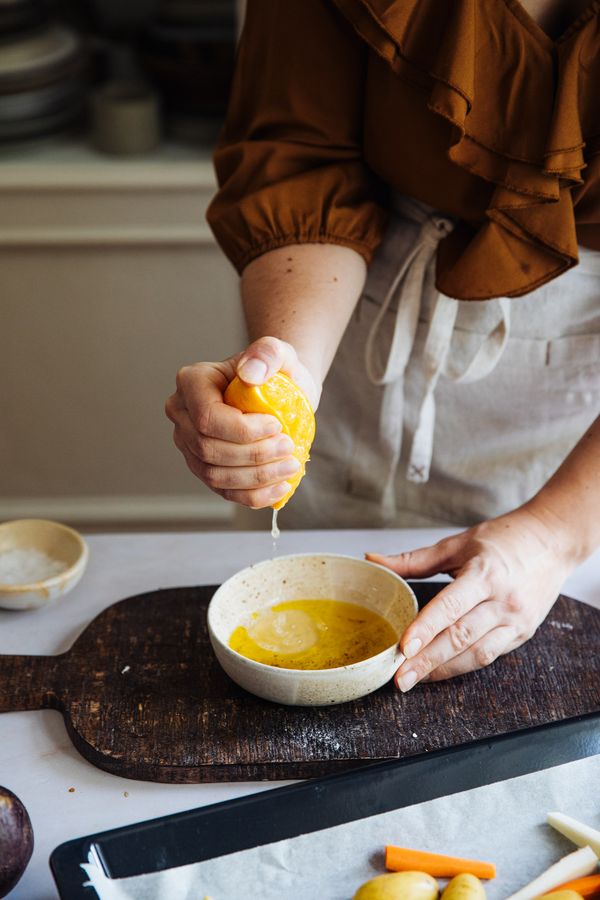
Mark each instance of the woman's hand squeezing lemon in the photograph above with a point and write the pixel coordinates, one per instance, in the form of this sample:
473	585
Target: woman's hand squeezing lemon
242	432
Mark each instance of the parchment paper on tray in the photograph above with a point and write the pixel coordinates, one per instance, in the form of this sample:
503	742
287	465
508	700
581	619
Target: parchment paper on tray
503	823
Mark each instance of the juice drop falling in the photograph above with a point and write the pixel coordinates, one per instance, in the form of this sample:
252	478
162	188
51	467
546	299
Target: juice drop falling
275	532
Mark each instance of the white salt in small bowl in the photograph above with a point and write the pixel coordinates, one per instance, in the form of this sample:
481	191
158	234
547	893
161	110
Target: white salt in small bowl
40	561
322	576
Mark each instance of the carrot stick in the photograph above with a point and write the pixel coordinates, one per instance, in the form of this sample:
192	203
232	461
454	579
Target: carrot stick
400	859
587	886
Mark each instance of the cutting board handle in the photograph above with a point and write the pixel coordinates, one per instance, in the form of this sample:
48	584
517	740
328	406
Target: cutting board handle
29	682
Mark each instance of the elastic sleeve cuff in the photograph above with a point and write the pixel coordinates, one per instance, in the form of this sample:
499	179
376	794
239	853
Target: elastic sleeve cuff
241	260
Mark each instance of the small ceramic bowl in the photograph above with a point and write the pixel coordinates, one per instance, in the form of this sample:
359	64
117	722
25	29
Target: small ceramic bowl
56	541
325	576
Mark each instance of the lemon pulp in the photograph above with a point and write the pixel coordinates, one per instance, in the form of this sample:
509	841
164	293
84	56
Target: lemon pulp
313	634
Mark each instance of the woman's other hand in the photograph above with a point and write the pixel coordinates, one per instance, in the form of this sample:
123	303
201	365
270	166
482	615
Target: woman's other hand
241	456
507	574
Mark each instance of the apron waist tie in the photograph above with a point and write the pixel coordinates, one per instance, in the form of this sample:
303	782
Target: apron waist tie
408	286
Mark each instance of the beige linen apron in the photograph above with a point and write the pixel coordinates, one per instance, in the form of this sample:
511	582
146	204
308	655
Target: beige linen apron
440	411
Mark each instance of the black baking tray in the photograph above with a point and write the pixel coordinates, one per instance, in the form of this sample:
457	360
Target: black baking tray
286	812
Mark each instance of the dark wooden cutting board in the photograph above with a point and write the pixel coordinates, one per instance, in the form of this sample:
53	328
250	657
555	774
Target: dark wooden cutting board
143	696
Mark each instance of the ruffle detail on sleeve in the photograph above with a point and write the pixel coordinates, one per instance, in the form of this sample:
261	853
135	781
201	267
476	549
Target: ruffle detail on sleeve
470	63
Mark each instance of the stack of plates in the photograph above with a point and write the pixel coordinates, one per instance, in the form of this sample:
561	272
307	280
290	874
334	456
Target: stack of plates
41	83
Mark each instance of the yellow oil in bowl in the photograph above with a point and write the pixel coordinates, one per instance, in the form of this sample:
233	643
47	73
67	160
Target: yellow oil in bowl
313	634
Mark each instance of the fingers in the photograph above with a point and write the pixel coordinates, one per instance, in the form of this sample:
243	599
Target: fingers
255	498
452	602
264	358
482	653
220	421
453	642
269	355
446	608
249	477
214	451
419	563
251	473
244	478
258	499
500	594
200	389
242	456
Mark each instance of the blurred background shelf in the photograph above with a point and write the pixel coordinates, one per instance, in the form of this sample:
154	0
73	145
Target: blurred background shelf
64	191
71	161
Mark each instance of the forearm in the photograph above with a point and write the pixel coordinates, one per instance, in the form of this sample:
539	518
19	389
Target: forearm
569	504
304	294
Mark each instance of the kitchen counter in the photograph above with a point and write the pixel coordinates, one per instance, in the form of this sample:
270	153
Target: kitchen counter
65	795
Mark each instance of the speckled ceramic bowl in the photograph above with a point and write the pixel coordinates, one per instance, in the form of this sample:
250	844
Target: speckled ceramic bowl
325	576
55	540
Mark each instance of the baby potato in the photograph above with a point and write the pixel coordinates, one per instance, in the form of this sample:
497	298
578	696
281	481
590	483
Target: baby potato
464	887
399	886
563	895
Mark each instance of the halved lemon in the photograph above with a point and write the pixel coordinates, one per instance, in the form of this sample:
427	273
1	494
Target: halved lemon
279	397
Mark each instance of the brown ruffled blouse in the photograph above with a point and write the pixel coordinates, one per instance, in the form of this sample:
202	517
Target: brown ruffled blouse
467	105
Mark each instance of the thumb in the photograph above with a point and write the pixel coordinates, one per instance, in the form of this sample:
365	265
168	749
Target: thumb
263	358
415	563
